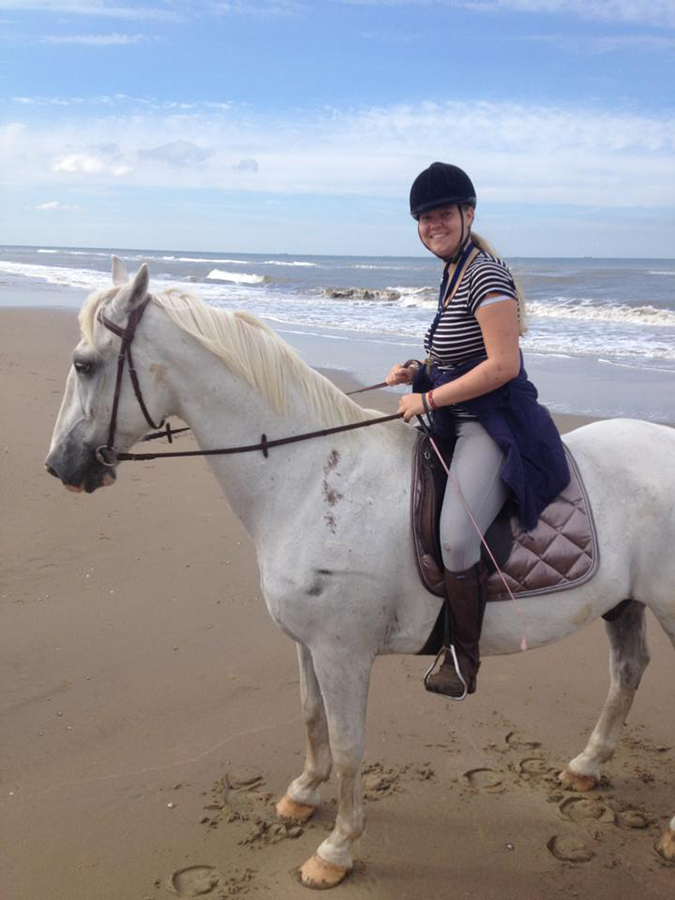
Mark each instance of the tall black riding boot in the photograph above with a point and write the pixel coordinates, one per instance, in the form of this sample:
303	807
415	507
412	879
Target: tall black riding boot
466	596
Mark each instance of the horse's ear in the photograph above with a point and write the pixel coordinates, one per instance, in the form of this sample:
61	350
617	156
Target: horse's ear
119	271
133	293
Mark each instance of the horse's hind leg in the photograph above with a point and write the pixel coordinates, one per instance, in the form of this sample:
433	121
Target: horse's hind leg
628	660
302	796
666	845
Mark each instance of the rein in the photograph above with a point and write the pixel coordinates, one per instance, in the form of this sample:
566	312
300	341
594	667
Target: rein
108	456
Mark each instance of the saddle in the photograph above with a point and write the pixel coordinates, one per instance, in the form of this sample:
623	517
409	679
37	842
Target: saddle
560	553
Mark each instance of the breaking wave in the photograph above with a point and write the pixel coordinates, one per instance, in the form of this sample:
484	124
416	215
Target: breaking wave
236	277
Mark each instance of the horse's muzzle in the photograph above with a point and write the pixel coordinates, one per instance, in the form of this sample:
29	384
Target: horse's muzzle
87	477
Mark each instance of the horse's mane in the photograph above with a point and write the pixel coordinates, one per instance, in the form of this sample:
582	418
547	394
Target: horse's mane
250	349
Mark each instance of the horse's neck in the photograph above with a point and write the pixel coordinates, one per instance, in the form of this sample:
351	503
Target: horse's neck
224	411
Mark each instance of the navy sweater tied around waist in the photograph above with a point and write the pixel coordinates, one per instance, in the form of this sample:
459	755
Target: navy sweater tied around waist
535	468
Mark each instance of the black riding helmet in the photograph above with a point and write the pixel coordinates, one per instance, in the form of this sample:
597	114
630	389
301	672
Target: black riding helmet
440	185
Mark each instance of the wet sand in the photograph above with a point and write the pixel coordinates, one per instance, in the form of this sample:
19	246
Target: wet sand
141	674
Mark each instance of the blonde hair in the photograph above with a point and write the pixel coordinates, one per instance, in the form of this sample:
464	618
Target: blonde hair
250	350
487	247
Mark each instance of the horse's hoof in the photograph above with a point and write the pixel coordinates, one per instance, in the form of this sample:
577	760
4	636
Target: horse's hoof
320	875
573	781
287	808
666	846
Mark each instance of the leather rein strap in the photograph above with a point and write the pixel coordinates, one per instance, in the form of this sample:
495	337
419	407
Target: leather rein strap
108	456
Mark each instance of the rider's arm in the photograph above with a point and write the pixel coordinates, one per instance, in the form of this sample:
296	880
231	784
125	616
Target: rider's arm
499	325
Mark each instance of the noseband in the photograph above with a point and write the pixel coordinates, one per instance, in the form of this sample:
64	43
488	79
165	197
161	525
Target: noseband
106	453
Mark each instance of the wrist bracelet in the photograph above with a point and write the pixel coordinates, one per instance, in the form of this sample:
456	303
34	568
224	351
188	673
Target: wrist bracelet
425	404
430	398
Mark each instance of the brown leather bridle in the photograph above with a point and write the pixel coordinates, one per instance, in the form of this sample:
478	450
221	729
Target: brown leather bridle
109	457
106	453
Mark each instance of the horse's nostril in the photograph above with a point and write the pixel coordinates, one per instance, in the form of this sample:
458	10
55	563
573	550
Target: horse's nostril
51	471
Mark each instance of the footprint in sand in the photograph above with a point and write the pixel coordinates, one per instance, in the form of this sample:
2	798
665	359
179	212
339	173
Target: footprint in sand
534	765
245	778
569	849
632	818
379	781
194	881
583	809
484	779
515	742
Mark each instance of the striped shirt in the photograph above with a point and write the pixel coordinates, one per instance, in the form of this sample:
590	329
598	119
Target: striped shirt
458	336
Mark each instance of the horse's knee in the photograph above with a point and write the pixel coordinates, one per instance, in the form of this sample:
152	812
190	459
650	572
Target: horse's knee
630	672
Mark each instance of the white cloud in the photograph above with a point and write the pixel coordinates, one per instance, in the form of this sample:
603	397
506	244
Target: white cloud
655	12
124	100
247	165
102	163
514	153
263	8
604	43
162	11
178	154
94	40
658	12
56	206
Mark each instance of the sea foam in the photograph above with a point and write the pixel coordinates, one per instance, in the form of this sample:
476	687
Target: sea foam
237	277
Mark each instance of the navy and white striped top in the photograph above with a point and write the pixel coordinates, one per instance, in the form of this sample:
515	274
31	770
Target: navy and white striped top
458	336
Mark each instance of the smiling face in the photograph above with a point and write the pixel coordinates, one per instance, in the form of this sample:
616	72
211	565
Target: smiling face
441	230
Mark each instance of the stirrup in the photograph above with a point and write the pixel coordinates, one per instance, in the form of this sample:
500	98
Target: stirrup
451	650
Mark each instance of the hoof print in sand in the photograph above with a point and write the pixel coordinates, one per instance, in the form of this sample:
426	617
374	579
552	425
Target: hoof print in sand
484	779
632	818
533	765
245	778
271	832
581	809
569	849
194	881
515	742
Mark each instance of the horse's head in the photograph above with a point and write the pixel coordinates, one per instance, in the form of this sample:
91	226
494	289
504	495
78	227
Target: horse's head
83	423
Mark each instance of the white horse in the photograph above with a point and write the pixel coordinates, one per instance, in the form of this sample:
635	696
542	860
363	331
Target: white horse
330	525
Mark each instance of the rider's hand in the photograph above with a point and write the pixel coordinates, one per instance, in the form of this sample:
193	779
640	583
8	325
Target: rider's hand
411	405
401	375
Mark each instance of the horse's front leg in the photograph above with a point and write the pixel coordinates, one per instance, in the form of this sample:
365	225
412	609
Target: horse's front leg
302	796
344	684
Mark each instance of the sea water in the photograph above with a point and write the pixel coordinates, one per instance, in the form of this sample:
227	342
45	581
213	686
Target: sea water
601	332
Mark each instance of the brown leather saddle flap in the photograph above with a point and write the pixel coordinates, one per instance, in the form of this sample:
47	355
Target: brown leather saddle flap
560	553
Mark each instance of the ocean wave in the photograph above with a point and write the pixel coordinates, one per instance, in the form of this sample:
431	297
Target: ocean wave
67	277
584	310
42	250
384	268
661	272
295	262
212	259
417	297
237	277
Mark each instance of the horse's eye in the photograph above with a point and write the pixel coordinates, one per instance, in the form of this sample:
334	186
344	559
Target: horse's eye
83	368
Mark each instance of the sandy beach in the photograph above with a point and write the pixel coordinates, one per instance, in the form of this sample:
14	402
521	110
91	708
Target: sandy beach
141	676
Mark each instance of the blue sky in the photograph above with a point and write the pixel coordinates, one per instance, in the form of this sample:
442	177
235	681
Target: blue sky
291	126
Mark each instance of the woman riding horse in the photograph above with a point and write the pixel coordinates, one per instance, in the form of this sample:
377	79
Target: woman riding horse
475	390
